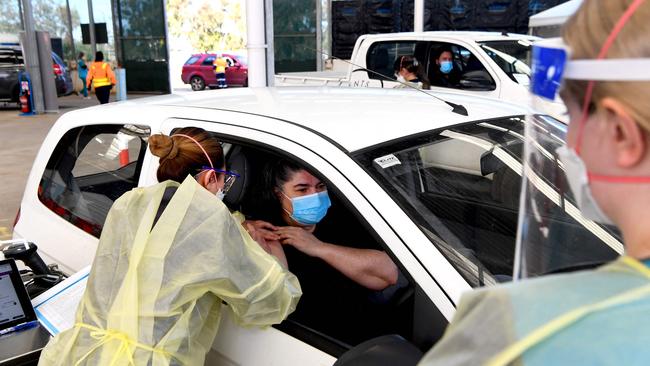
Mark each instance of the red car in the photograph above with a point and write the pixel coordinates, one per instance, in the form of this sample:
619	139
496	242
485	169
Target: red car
199	72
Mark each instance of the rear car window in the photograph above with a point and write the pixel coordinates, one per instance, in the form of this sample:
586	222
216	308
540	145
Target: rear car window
382	55
89	169
192	60
208	60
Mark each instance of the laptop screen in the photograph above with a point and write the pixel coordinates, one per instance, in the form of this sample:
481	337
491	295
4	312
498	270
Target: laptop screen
15	306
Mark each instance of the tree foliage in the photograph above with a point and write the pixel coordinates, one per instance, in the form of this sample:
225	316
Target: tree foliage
214	25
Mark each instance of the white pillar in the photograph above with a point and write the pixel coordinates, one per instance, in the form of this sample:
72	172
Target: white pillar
418	14
256	43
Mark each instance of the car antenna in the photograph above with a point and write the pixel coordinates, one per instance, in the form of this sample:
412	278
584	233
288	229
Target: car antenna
456	108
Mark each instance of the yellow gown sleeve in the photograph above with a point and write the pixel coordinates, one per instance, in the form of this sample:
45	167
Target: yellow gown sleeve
263	292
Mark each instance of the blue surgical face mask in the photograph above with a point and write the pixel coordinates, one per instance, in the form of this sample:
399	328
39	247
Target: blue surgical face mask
309	209
446	67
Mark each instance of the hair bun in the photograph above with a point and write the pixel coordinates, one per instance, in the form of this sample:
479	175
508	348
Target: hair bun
163	146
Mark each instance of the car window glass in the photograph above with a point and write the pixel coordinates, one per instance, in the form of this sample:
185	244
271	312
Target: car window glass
513	57
381	58
462	185
192	60
208	61
89	169
468	71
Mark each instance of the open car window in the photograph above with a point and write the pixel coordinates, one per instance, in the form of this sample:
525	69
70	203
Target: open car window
468	71
335	314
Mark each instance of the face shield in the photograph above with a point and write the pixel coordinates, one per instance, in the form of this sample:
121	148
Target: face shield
561	227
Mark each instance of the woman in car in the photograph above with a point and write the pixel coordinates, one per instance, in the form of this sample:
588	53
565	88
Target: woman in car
408	70
169	257
339	268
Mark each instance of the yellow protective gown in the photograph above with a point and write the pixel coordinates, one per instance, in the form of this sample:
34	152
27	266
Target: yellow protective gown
154	297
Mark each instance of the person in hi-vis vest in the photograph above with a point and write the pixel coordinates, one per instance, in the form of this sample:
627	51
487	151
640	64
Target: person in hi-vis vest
220	65
102	78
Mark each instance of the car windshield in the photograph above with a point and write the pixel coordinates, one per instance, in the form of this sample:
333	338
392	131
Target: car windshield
512	56
461	186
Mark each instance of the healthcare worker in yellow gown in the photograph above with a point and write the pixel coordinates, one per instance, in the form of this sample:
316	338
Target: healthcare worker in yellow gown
159	285
592	317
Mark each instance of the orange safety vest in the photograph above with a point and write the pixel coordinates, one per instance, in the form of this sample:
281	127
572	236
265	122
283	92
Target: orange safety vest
220	65
101	74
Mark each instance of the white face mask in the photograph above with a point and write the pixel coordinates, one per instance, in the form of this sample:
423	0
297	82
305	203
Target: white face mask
401	79
576	173
220	195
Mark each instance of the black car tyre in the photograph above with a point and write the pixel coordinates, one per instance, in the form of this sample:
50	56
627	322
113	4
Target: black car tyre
246	82
197	83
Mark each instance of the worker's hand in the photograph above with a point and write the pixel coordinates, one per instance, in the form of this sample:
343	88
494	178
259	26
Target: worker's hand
266	228
257	236
300	239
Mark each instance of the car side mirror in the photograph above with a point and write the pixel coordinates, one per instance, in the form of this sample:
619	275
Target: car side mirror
388	350
477	80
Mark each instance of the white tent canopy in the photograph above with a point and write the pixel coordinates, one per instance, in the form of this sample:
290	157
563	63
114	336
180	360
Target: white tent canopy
556	15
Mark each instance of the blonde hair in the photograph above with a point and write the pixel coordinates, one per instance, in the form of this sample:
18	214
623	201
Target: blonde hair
180	156
585	33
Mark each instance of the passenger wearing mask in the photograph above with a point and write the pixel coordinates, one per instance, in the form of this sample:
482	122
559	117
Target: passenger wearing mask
593	317
445	75
101	77
332	258
409	71
170	258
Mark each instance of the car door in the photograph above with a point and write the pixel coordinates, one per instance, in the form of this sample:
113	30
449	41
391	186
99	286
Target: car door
233	75
206	68
78	174
277	345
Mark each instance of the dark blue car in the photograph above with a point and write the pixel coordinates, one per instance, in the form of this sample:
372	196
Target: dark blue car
11	63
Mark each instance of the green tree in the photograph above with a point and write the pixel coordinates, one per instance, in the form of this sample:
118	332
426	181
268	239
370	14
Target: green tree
205	28
177	16
9	17
205	33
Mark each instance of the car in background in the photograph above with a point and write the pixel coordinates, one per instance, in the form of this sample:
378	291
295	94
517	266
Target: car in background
198	70
440	195
12	63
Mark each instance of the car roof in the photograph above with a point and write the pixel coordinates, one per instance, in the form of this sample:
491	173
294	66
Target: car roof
454	36
353	118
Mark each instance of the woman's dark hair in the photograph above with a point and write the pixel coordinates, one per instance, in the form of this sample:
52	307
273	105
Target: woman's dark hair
275	174
99	56
81	54
441	50
180	156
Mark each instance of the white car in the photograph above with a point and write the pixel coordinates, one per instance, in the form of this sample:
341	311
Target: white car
437	190
490	64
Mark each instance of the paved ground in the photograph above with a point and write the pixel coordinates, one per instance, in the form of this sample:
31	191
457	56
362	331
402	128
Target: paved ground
20	139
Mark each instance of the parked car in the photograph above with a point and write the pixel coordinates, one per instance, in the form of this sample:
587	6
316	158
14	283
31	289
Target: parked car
198	70
439	193
12	63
